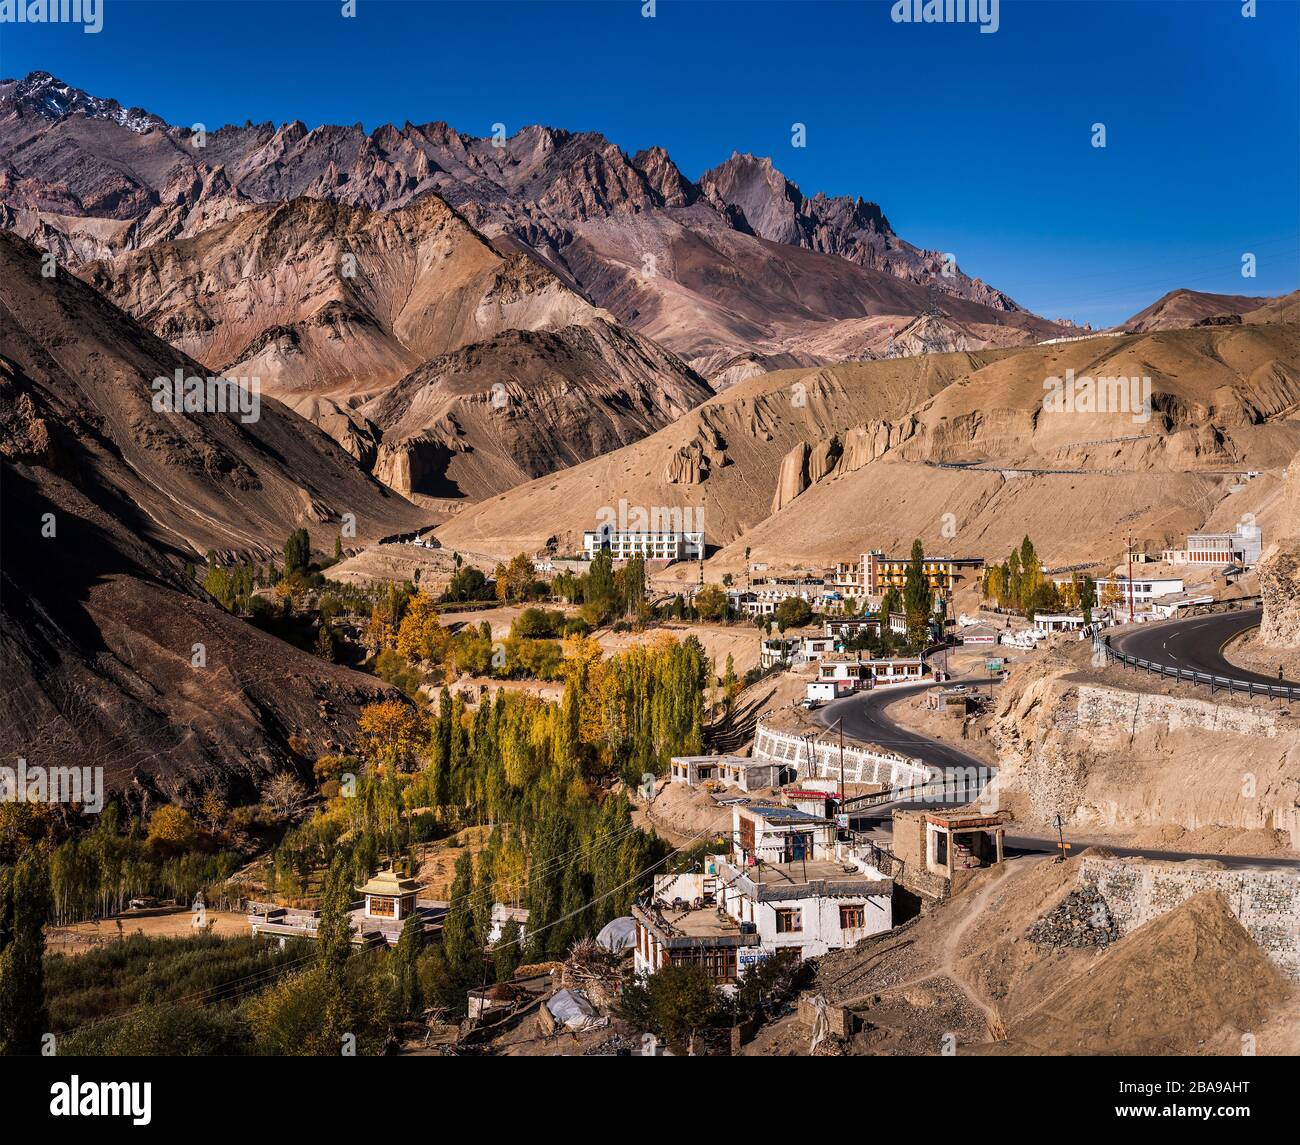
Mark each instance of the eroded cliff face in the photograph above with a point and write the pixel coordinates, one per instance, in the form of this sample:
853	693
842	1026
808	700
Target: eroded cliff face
1106	756
1279	572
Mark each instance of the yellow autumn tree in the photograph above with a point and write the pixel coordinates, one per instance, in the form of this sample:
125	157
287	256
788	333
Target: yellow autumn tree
388	734
420	635
171	830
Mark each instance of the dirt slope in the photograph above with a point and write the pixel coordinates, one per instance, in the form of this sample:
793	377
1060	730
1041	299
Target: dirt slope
816	465
190	480
1191	981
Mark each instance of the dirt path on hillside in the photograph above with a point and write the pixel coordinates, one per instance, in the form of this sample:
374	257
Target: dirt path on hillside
949	955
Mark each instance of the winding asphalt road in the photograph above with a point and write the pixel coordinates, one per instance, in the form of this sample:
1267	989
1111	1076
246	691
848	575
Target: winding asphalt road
866	718
1196	644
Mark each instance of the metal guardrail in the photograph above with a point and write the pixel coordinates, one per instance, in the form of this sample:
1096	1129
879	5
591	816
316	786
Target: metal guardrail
892	795
1215	683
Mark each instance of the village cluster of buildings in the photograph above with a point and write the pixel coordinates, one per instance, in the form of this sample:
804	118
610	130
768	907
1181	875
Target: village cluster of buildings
851	583
786	884
841	672
792	880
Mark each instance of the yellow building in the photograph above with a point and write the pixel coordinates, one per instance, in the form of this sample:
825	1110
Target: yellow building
880	573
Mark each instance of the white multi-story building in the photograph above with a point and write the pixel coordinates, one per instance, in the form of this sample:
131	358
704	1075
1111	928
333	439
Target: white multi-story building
626	544
1242	546
788	885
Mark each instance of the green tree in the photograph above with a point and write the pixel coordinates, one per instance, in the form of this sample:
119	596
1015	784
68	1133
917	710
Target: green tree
1031	574
711	603
460	955
598	587
506	952
1087	598
297	552
406	971
24	911
334	929
917	595
730	685
1013	580
677	1001
793	612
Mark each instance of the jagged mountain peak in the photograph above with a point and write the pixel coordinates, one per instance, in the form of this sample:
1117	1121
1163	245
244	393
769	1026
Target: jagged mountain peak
49	96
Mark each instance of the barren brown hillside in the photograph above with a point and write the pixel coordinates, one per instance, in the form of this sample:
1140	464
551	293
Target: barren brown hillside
80	376
1181	308
508	374
1191	981
819	464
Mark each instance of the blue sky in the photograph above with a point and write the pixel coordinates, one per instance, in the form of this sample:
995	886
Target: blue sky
974	143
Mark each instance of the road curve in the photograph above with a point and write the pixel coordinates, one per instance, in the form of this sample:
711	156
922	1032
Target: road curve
866	719
1196	645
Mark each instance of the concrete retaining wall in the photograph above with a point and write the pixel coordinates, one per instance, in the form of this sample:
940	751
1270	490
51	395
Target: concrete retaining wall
821	760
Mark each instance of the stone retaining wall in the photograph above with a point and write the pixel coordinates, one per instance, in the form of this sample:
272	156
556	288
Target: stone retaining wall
1265	902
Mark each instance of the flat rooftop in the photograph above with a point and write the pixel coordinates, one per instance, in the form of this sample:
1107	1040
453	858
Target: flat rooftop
808	879
728	760
706	926
777	814
964	819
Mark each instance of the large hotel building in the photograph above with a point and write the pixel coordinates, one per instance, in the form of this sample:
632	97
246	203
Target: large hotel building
875	574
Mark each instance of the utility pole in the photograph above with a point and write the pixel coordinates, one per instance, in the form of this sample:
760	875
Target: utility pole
1130	580
1061	844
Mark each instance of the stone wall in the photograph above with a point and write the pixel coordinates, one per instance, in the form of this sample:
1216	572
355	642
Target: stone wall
1124	758
1265	902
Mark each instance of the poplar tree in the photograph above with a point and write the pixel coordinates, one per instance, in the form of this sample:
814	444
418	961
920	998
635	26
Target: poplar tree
409	998
334	929
24	911
460	956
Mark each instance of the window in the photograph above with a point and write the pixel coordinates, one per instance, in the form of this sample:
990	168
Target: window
789	921
381	907
853	916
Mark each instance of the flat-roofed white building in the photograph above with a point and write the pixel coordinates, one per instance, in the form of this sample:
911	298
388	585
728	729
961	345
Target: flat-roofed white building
1058	622
787	886
848	627
732	770
864	672
823	691
1242	546
807	908
1145	589
623	545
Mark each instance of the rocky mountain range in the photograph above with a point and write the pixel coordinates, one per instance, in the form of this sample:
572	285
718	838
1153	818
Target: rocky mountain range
332	306
739	265
110	650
